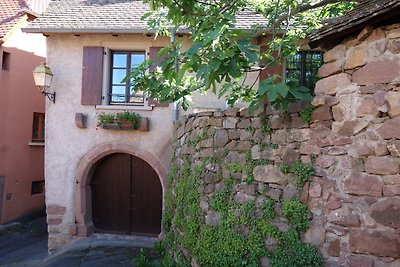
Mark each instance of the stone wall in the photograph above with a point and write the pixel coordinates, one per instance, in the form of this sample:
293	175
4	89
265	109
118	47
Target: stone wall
353	140
356	130
244	153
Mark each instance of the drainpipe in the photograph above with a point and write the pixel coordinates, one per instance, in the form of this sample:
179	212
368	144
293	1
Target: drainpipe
176	106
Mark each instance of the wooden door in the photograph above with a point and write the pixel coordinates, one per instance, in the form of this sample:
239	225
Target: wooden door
146	200
126	196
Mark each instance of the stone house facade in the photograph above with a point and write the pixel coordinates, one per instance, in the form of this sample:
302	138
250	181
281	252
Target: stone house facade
82	53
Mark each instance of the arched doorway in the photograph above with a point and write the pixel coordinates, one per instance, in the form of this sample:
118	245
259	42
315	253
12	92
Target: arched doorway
126	196
83	195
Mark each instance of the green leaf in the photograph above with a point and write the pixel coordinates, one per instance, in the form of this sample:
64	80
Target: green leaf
306	96
244	47
195	48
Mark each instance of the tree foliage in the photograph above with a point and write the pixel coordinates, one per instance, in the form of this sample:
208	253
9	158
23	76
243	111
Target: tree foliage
221	53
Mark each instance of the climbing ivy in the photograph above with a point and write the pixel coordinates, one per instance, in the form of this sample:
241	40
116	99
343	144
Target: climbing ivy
238	239
302	172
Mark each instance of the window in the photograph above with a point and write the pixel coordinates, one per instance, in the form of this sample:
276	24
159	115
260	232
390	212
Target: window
304	66
38	127
121	92
5	61
37	187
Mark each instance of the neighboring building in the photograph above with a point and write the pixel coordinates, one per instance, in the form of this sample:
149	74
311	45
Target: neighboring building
97	179
22	115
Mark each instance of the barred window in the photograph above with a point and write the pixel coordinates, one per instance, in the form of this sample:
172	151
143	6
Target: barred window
304	66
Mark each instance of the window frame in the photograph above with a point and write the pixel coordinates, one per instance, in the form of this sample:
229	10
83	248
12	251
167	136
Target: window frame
303	81
110	68
39	118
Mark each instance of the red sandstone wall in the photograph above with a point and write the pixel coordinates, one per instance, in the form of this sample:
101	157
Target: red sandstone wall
356	132
19	163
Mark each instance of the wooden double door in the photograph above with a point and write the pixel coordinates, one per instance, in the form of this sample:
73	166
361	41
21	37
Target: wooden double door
126	196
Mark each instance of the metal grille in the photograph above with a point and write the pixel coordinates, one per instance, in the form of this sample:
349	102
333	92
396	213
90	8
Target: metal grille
304	66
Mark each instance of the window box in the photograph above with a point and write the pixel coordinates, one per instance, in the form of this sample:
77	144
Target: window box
143	126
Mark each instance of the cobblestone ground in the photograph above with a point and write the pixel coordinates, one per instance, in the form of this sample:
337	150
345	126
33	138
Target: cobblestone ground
24	244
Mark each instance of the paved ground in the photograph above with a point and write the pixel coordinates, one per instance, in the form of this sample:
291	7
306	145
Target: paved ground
25	245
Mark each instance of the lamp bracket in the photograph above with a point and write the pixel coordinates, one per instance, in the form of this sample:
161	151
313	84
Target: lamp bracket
50	96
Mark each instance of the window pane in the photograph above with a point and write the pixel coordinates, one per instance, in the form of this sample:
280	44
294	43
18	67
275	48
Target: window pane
119	60
118	90
136	59
118	75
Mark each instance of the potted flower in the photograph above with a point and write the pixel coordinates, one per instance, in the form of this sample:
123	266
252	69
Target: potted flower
124	120
128	120
105	119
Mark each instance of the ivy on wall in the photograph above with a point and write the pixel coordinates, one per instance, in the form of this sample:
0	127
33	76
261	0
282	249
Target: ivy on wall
238	238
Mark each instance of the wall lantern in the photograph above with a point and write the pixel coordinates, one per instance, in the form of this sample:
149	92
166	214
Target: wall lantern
42	76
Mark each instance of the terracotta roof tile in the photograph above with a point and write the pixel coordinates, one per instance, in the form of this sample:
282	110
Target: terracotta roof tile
11	12
105	16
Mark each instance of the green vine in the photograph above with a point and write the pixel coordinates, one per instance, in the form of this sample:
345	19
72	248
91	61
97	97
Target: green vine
306	113
302	172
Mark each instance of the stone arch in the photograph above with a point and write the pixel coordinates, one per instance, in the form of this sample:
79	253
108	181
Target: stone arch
83	205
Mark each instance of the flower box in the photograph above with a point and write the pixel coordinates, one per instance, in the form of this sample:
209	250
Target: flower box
127	120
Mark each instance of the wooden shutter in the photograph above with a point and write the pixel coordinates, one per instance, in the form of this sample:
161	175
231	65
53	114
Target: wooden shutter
153	54
92	75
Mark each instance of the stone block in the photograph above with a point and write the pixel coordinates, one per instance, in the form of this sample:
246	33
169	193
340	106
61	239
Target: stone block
243	124
309	149
54	220
315	190
244	146
229	123
371	89
350	127
378	243
394	148
391	190
393	100
338	112
335	53
322	113
268	174
290	155
221	138
394	46
376	35
384	71
382	165
360	261
279	137
333	248
331	85
367	107
231	112
387	212
365	33
363	184
330	68
233	134
298	135
55	209
356	57
344	217
391	179
390	129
